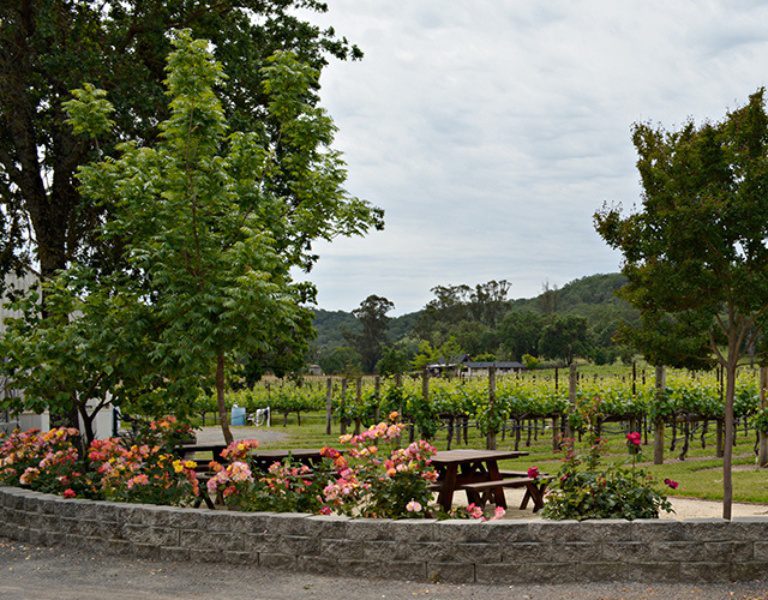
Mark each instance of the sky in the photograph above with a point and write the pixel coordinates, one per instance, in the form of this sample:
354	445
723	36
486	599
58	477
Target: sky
491	131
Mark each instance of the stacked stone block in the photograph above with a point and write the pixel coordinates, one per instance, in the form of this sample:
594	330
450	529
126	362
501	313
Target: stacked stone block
507	551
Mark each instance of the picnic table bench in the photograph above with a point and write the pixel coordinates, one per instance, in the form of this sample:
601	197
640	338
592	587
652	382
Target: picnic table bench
459	469
261	460
534	488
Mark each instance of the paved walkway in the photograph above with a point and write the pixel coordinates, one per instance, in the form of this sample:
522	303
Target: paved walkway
66	574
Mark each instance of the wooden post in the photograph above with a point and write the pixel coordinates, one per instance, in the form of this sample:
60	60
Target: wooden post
328	405
555	433
658	434
491	438
762	455
573	384
424	396
343	405
377	396
399	386
557	379
634	379
358	402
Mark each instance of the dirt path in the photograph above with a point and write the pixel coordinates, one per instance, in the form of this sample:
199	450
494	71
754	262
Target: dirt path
66	574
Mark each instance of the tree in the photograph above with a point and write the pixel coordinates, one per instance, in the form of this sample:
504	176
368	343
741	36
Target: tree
564	338
211	222
88	352
548	298
48	48
696	254
484	304
520	331
394	359
373	320
449	352
341	360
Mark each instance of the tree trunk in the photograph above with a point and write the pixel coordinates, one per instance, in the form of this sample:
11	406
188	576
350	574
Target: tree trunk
658	438
228	439
730	389
762	455
79	409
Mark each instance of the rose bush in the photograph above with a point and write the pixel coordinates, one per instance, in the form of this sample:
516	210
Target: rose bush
587	489
370	475
138	469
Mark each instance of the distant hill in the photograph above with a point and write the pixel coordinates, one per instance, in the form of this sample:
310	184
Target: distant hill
592	297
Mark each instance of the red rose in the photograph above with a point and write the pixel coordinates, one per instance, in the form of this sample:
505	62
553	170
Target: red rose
672	483
634	438
69	493
533	472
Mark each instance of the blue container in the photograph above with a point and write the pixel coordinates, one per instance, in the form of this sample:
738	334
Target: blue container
238	415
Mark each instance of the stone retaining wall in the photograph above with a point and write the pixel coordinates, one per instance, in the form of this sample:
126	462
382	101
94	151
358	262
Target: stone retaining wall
508	551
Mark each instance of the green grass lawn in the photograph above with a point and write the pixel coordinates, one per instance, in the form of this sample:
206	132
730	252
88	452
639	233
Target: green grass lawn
700	475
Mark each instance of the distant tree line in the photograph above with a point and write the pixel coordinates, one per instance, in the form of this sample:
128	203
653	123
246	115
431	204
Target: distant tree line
583	319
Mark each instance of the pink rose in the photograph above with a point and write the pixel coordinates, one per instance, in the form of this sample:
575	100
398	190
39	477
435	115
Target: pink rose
672	483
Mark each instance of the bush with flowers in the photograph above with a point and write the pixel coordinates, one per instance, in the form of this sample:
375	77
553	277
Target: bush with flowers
285	487
141	473
370	476
374	477
587	489
45	461
142	469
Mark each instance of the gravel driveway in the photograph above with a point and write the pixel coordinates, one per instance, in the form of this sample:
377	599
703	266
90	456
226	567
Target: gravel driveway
66	574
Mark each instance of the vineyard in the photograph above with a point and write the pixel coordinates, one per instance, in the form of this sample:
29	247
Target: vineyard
519	409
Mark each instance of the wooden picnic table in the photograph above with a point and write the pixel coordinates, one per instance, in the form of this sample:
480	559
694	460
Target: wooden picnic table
460	467
188	451
263	459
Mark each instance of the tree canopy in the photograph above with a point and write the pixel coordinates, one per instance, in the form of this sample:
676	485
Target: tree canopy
210	221
374	322
696	253
49	48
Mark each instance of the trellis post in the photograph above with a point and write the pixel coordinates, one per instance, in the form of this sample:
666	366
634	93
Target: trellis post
343	406
328	405
377	398
658	434
358	403
491	438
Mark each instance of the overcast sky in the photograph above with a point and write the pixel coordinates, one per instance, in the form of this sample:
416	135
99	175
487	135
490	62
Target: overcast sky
491	131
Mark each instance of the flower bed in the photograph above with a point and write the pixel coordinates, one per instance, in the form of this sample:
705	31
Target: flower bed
102	504
369	476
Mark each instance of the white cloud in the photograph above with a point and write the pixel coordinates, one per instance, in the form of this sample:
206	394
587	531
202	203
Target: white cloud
491	131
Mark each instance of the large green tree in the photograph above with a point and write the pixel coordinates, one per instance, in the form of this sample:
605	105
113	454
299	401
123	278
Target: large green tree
696	253
49	47
564	338
520	331
372	317
210	220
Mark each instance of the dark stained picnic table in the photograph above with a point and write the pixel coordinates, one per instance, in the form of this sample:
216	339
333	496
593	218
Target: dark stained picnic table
261	459
459	467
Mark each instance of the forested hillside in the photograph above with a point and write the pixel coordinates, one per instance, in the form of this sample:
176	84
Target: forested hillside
579	319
